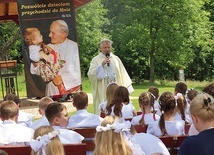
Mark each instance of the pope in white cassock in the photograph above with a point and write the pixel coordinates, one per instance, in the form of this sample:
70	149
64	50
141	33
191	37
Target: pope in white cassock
106	68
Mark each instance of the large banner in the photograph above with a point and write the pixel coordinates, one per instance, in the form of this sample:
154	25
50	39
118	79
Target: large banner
50	47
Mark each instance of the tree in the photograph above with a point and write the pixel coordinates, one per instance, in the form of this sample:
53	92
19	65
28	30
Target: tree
89	27
10	40
161	32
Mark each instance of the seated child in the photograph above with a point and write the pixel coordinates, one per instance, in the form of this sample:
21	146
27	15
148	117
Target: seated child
149	144
11	132
111	138
24	118
202	112
166	125
46	142
121	105
190	94
48	60
146	102
57	116
82	118
155	92
181	105
109	96
43	103
209	89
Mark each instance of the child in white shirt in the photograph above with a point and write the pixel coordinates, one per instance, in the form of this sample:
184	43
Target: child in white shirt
57	116
82	118
11	132
42	104
24	118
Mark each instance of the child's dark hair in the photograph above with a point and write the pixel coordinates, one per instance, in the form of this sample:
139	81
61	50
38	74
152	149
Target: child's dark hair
80	100
209	89
191	93
146	99
154	90
12	97
54	110
167	105
121	95
181	87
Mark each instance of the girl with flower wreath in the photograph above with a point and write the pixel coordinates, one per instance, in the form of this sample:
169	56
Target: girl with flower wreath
46	142
111	138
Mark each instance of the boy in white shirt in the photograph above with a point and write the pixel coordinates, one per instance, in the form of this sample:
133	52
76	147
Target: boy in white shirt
82	118
24	118
11	132
57	116
43	103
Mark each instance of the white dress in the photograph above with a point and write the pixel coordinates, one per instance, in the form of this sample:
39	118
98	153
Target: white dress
187	117
127	110
82	118
176	127
148	118
150	144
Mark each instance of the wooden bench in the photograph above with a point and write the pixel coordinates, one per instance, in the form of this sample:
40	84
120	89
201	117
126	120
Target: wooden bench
89	134
169	143
173	143
70	149
187	126
140	128
75	149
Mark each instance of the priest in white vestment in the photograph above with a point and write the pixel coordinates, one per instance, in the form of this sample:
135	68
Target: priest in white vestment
106	68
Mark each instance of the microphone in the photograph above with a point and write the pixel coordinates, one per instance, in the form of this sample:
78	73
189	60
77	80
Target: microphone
107	56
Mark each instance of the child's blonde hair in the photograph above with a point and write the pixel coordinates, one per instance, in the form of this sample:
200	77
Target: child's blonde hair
109	142
110	92
44	102
54	147
30	35
203	107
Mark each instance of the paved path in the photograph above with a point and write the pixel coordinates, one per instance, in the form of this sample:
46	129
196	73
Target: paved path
31	105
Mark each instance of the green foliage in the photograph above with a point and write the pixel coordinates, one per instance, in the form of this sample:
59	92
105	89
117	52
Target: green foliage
154	39
89	23
162	32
